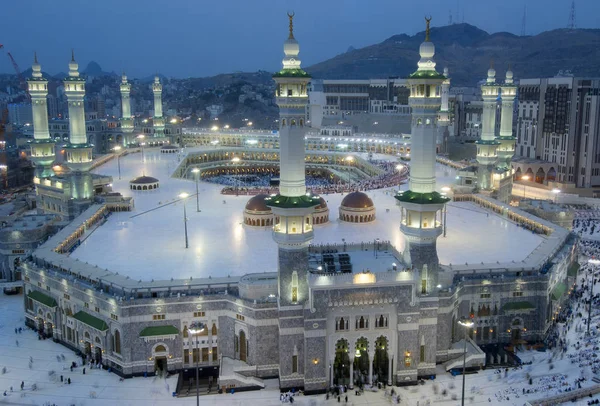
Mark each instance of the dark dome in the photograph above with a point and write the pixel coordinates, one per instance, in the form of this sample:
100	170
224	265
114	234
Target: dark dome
143	180
322	204
257	203
357	200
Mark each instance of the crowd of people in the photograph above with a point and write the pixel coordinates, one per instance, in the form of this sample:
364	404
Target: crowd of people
393	175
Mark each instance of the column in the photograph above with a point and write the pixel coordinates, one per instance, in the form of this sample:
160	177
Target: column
331	361
351	384
390	360
371	356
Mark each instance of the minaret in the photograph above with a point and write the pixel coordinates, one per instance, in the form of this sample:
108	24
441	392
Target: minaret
126	120
487	145
506	150
292	207
42	147
78	151
421	205
444	116
158	121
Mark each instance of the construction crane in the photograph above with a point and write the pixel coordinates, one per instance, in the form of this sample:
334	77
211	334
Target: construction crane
22	82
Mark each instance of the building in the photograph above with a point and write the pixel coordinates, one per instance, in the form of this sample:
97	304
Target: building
319	320
20	114
558	134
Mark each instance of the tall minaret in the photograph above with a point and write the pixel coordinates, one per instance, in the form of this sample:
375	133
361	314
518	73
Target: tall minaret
292	207
506	150
158	121
487	145
126	120
421	205
444	116
42	147
78	151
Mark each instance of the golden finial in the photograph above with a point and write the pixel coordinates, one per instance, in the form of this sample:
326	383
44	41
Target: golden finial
291	17
35	57
427	21
72	55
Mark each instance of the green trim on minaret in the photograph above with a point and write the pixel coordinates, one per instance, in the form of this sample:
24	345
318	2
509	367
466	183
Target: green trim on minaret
426	74
421	198
286	202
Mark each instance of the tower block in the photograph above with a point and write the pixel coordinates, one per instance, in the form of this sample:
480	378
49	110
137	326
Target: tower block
42	147
292	208
126	120
158	122
79	152
506	149
487	145
421	205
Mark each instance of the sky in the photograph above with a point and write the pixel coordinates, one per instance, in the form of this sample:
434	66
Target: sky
194	38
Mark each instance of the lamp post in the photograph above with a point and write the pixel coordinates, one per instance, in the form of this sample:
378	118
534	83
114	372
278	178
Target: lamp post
184	196
117	149
556	192
195	329
526	177
349	159
467	324
592	262
375	247
445	191
141	138
196	171
235	160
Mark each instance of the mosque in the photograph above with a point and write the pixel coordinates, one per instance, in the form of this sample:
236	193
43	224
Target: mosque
320	319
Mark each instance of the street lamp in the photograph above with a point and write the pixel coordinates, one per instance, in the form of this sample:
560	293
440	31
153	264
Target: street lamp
141	138
184	196
195	329
235	160
445	190
556	192
592	262
349	159
375	247
196	171
117	149
467	324
526	177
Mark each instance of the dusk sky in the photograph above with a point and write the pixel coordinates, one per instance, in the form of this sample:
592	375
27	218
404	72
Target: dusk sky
204	37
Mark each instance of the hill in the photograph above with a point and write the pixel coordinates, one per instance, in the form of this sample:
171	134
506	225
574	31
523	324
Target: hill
467	50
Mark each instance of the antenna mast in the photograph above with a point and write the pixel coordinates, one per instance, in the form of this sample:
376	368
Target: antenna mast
572	25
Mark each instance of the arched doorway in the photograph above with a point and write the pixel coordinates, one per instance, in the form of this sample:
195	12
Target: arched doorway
551	176
518	174
540	176
341	364
381	360
160	359
243	346
361	361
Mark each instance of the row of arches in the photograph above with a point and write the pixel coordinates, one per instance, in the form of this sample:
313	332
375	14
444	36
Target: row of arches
151	186
357	218
540	176
353	365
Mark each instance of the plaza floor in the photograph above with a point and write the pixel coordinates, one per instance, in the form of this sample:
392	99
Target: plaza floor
152	245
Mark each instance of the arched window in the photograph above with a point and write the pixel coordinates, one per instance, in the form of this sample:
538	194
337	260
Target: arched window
117	344
185	332
214	329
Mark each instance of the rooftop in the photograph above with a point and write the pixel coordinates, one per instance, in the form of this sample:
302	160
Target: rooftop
152	237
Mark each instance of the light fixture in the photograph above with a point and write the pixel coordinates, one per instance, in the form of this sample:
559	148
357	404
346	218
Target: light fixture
357	354
316	361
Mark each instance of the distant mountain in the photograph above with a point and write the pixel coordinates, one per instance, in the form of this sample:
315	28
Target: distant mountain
94	69
467	50
60	75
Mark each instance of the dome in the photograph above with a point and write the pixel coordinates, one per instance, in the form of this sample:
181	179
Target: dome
291	47
491	75
509	74
124	78
322	204
144	179
357	200
446	73
73	66
258	203
427	50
